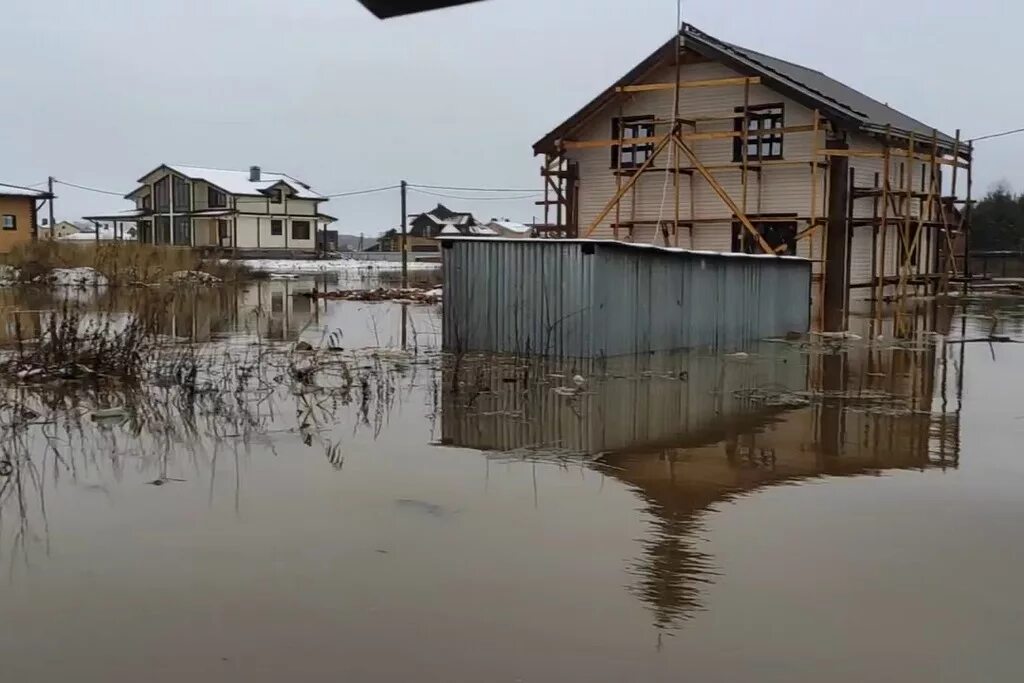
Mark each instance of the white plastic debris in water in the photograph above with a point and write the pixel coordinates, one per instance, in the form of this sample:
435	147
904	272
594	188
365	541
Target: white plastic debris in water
578	379
8	275
297	266
75	277
193	277
739	355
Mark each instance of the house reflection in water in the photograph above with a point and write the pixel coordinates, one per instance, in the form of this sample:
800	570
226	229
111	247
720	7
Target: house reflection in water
689	431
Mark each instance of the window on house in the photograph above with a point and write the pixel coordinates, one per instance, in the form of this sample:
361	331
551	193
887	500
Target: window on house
222	230
215	198
182	192
627	128
300	230
276	227
275	196
10	222
162	193
762	144
777	231
277	302
147	202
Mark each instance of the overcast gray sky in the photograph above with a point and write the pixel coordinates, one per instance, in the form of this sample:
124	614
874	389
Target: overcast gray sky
99	92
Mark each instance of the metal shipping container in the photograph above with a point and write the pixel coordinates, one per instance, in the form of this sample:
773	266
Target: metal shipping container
594	298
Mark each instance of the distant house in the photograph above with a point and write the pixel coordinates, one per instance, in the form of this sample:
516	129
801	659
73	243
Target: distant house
510	229
244	210
425	228
57	230
18	214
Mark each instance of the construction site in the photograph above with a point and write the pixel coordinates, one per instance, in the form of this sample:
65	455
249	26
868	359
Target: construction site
706	145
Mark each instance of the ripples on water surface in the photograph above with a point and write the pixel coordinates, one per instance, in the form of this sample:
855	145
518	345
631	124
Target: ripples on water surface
375	511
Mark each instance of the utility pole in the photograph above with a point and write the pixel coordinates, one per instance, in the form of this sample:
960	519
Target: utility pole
35	229
405	249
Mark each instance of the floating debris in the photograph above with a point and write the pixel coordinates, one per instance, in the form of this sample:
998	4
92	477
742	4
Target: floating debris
193	277
423	296
73	277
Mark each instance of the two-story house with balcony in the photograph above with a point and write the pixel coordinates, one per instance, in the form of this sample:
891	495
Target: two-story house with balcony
238	210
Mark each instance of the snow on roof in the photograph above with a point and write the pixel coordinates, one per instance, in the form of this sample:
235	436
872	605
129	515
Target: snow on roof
237	182
19	191
450	230
511	226
481	230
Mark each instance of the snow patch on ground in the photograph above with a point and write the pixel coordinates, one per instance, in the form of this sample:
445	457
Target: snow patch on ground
8	276
329	265
75	277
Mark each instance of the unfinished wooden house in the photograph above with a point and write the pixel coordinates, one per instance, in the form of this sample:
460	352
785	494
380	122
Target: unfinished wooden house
708	145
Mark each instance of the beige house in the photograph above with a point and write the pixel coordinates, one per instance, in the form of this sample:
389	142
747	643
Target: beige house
239	210
708	145
58	230
19	208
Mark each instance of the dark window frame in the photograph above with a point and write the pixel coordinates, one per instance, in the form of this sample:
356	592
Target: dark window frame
276	227
276	196
215	199
306	225
761	143
775	232
632	156
14	221
223	230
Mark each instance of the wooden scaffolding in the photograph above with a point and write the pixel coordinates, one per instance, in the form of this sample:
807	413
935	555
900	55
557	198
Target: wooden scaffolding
834	211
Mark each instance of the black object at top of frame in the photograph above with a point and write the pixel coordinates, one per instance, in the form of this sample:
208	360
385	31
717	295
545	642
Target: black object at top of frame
385	9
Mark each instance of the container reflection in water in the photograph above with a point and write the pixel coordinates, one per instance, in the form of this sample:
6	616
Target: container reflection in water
688	431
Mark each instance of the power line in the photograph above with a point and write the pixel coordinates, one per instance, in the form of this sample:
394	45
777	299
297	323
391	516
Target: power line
476	199
475	189
89	189
363	191
998	135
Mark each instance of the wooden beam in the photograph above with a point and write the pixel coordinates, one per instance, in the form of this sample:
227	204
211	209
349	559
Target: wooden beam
711	83
722	194
689	137
881	155
614	201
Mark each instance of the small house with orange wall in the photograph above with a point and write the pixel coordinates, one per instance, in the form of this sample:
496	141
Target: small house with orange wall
18	208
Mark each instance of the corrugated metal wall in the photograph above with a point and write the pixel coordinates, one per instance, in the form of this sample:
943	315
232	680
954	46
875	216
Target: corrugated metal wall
584	299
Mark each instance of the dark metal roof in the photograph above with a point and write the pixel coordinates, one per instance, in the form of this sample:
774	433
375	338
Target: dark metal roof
849	107
385	9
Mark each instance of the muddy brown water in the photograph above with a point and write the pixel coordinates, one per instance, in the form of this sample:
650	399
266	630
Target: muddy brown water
841	511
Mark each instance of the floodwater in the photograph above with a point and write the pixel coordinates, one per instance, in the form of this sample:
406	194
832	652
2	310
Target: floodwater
807	511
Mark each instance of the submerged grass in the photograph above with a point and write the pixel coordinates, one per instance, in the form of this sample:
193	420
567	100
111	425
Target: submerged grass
122	263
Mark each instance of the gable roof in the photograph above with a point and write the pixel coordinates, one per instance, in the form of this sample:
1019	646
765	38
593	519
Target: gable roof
849	107
237	182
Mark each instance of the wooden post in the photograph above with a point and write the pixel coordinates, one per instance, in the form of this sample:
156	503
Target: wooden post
405	241
618	172
35	229
836	241
722	194
886	172
967	215
745	146
625	188
907	244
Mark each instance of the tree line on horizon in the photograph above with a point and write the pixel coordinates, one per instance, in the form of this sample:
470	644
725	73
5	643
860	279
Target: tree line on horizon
997	220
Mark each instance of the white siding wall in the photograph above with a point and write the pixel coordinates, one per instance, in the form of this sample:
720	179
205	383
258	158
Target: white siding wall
288	207
901	170
249	226
777	190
